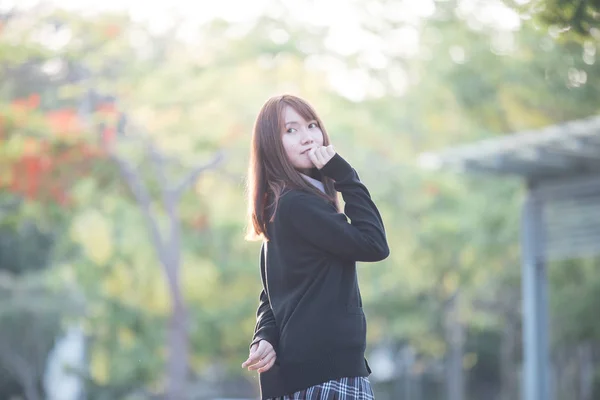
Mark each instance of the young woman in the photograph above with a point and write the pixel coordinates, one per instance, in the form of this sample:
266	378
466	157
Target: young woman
310	336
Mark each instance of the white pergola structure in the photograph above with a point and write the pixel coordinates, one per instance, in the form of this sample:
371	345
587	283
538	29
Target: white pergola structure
560	166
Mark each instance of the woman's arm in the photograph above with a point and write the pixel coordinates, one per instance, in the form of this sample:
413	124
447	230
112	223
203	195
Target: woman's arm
266	327
266	334
361	239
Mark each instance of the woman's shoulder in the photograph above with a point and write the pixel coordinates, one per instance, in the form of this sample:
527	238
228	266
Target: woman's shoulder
293	195
300	199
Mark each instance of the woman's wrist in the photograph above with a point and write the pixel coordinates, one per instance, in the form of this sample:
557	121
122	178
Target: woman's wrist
337	168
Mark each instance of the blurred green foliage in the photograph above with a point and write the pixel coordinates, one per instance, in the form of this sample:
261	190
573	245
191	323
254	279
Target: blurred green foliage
67	217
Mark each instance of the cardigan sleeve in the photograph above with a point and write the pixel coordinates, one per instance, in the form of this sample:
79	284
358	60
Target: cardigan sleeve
361	239
266	326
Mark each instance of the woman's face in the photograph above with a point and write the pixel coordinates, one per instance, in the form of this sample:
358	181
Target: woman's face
298	137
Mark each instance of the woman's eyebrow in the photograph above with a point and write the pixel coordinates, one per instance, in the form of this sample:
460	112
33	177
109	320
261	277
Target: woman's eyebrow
291	123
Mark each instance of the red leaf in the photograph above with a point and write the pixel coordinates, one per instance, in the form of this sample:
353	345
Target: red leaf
64	122
108	136
112	31
107	108
432	190
34	100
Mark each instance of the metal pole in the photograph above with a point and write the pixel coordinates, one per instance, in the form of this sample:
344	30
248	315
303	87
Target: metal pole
535	304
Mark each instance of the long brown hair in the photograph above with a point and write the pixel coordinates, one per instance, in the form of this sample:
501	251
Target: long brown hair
270	171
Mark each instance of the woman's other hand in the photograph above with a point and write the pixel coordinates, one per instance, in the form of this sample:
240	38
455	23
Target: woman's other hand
262	357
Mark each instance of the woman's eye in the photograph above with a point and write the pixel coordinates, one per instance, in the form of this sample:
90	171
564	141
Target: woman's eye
313	125
291	130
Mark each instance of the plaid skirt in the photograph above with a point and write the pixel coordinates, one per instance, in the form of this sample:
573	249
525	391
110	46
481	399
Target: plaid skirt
355	388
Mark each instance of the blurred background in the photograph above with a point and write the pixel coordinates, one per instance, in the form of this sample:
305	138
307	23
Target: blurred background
124	140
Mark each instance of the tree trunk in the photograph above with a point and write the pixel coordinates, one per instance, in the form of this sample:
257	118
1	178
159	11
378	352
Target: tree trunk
178	351
168	249
455	338
31	391
508	366
24	372
27	378
177	334
586	371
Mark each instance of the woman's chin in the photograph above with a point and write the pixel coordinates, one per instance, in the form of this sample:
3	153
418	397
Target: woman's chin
305	170
303	166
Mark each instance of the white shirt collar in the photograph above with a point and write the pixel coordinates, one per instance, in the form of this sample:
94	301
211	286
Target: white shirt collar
315	182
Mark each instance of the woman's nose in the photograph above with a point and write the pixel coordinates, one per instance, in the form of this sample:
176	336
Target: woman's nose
306	137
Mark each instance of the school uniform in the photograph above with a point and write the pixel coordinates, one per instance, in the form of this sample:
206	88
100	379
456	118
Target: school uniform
310	307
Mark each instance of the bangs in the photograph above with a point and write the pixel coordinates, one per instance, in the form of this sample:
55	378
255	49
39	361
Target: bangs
301	107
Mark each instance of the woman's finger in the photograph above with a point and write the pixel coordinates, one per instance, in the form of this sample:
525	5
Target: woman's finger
331	150
313	158
268	366
320	157
325	155
263	362
255	356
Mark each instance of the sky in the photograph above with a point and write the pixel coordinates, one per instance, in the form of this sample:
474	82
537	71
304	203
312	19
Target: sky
343	17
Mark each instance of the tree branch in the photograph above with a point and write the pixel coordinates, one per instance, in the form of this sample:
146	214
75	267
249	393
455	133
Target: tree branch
22	370
578	17
159	161
134	180
195	173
